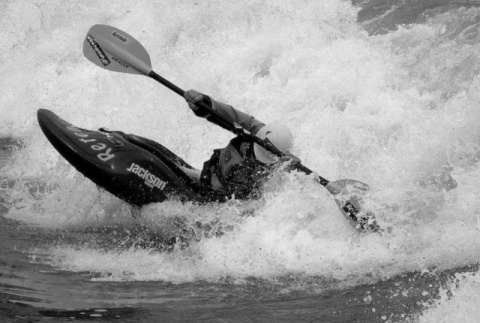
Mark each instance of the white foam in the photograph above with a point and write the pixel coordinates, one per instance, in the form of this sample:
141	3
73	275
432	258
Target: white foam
386	110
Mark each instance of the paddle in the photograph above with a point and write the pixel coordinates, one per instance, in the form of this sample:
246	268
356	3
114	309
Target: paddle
115	50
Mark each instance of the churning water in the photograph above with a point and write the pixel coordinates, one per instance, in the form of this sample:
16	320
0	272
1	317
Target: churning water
385	92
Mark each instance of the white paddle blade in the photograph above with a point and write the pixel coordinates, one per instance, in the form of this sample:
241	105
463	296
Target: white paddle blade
115	50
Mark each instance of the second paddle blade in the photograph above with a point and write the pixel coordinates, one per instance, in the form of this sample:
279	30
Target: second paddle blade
348	196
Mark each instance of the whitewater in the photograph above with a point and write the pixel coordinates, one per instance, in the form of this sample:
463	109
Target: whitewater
386	93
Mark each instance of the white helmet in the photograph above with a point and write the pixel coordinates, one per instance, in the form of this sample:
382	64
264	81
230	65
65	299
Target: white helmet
279	135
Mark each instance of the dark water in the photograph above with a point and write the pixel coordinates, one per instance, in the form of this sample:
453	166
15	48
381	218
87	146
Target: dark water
54	269
380	17
40	293
32	292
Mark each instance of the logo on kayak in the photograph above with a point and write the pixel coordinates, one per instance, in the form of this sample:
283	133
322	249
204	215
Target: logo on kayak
98	50
150	179
104	152
120	37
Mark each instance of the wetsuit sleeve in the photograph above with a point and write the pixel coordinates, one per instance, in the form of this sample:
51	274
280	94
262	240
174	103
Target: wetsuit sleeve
227	111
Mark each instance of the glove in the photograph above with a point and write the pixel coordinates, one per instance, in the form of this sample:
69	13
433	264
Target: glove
193	99
290	162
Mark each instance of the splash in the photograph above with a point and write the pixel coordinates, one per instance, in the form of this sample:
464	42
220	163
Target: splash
457	302
389	110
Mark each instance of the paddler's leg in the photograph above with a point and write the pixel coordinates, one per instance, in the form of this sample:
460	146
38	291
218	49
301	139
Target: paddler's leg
192	172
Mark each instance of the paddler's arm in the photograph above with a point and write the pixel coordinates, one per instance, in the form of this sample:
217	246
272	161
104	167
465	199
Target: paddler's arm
289	162
243	119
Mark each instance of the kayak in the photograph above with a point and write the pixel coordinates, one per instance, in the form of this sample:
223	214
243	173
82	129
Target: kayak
137	170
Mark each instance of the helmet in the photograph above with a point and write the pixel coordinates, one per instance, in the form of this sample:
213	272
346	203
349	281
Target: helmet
279	135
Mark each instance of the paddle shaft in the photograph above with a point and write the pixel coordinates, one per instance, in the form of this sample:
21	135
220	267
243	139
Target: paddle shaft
167	83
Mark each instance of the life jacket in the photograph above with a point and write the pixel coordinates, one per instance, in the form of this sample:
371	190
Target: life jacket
234	171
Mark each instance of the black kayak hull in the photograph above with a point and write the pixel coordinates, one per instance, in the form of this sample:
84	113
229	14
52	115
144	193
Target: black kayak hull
135	169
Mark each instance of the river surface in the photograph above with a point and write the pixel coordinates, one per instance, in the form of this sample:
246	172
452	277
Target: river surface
385	92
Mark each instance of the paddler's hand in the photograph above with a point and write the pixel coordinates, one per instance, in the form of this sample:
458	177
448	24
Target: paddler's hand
193	99
289	161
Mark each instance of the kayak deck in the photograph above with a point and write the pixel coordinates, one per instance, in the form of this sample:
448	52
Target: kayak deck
135	169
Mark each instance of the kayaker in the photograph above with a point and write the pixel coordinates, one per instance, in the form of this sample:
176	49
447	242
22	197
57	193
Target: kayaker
240	169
